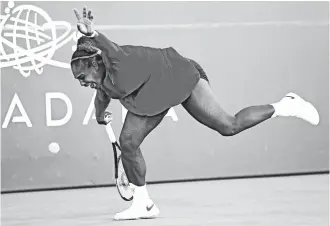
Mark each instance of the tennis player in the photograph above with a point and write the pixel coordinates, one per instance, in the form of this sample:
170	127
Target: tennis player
148	81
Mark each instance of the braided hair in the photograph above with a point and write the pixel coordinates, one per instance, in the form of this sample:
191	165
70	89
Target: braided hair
88	55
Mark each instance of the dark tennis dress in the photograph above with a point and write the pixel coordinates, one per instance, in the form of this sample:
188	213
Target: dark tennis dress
147	80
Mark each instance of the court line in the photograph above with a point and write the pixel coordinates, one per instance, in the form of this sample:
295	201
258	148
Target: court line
173	181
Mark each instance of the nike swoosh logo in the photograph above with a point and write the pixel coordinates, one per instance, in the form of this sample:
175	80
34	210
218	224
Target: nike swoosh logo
290	97
149	208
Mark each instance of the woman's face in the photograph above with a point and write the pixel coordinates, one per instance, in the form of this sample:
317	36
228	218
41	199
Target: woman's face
89	76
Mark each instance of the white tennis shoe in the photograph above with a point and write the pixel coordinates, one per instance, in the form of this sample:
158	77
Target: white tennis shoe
142	206
294	105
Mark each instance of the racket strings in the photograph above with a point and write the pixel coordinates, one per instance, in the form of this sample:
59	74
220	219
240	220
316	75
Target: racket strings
122	176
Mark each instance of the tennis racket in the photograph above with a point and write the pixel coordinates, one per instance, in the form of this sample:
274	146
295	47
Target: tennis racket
122	183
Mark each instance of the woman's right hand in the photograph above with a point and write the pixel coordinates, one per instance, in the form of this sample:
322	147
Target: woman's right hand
106	119
85	24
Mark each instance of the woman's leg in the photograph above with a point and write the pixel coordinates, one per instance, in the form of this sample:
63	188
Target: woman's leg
135	130
204	107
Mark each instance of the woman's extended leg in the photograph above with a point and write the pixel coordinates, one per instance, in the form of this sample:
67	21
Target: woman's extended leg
204	107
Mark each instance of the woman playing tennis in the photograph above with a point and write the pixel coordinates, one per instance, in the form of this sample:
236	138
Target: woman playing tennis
148	82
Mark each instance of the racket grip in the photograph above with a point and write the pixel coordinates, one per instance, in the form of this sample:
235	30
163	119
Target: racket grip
111	134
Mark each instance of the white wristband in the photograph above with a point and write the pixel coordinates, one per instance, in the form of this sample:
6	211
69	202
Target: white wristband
93	35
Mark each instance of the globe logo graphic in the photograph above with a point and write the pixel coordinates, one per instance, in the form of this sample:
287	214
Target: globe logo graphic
29	39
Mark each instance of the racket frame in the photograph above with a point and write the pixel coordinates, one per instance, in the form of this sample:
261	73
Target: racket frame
116	158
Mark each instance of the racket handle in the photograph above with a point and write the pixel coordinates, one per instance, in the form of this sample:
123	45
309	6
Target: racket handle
111	134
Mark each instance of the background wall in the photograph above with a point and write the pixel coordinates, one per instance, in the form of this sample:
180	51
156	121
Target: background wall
253	53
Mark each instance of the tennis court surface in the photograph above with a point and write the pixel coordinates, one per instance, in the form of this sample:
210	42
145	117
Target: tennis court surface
300	200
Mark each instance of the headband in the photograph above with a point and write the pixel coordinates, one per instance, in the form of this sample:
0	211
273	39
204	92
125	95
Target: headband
88	49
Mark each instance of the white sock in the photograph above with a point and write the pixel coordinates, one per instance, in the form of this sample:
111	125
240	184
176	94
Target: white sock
277	109
140	192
